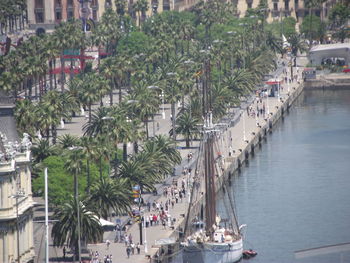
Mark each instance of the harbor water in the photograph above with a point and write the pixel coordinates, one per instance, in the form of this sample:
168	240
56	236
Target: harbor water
294	194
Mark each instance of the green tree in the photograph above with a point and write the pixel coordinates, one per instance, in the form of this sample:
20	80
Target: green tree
65	229
107	194
187	126
41	150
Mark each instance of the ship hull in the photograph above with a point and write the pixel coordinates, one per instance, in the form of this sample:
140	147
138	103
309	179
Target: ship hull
228	252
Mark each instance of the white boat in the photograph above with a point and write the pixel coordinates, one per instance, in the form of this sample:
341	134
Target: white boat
213	252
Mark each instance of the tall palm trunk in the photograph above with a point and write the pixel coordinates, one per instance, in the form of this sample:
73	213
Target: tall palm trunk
54	134
90	113
125	152
173	121
146	127
88	175
120	92
62	71
136	147
100	167
50	74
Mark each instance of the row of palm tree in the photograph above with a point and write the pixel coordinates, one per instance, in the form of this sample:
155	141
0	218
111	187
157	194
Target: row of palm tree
105	194
12	15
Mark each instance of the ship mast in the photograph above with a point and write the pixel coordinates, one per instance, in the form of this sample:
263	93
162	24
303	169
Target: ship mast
209	137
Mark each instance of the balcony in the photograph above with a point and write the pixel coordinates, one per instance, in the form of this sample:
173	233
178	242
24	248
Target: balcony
7	167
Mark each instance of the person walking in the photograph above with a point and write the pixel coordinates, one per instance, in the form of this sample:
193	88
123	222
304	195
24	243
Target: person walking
64	252
128	251
138	248
108	243
132	248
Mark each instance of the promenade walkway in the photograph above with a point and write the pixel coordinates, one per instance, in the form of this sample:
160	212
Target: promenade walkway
232	140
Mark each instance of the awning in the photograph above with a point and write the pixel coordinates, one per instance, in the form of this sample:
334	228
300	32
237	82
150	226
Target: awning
105	222
273	82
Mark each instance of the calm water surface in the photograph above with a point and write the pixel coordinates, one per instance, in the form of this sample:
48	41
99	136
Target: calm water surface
295	192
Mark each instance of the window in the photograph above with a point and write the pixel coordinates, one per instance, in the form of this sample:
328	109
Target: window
39	16
296	4
108	4
70	9
39	4
58	15
18	181
275	6
70	14
286	5
39	11
58	4
58	10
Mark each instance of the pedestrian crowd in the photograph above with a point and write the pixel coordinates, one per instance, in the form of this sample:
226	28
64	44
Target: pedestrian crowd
95	257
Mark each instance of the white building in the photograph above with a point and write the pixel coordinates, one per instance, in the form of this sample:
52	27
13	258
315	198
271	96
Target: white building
16	205
331	52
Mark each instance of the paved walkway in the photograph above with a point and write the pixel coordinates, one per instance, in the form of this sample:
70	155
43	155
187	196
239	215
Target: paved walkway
231	140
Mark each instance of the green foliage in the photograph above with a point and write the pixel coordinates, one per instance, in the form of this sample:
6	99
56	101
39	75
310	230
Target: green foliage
313	27
134	43
287	27
60	181
64	230
339	14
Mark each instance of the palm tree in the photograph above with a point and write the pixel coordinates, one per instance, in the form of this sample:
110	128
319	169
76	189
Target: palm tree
97	125
187	126
67	140
54	108
41	150
222	98
165	146
297	44
25	116
146	102
88	143
241	82
107	194
65	229
141	7
89	95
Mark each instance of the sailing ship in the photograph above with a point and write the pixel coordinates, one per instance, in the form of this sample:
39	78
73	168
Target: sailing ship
208	238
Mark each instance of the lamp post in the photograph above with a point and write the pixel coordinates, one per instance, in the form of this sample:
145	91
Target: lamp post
137	195
108	118
171	75
75	149
19	194
244	137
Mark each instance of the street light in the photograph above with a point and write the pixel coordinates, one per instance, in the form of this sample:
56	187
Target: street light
173	113
244	138
108	118
19	194
75	150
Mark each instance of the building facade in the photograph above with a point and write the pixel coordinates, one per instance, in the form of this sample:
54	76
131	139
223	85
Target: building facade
16	204
278	9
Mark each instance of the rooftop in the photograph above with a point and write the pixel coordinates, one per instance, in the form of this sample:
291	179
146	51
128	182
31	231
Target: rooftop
330	47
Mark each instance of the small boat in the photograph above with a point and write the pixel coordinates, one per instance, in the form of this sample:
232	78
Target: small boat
249	253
